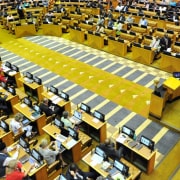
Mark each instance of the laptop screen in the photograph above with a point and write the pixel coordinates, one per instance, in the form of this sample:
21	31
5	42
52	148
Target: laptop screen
12	90
27	101
118	165
100	152
99	115
23	143
53	89
62	177
36	108
147	142
15	68
64	132
35	154
126	130
58	123
4	125
8	64
77	114
64	96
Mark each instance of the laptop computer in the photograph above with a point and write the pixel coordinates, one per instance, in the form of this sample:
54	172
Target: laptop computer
24	158
63	136
25	121
117	167
59	146
77	117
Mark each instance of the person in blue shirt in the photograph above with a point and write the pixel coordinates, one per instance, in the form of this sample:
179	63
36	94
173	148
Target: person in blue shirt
143	21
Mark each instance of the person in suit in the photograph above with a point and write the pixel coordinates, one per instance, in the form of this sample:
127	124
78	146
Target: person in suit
49	110
75	173
109	148
122	17
3	104
165	42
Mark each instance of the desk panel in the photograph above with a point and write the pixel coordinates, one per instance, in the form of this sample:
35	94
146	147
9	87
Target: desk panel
170	63
142	55
77	36
25	30
52	30
6	137
94	41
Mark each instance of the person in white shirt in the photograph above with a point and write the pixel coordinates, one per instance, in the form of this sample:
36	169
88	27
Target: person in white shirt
155	45
17	127
143	21
4	157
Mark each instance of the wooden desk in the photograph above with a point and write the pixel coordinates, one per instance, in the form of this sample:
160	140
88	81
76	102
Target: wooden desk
27	111
173	87
114	46
142	55
38	173
133	171
157	103
6	137
52	130
52	30
11	100
98	126
14	75
63	104
143	158
33	89
95	41
170	63
87	27
25	30
77	35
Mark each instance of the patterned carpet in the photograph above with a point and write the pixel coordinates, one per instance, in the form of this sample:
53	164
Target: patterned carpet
115	86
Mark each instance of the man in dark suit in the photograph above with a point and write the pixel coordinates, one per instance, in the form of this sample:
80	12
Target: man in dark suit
109	148
3	104
165	42
49	110
74	172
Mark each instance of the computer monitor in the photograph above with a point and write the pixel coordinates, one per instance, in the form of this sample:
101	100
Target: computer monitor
15	68
29	75
37	108
121	167
128	131
58	123
64	132
4	85
8	64
4	125
99	116
176	74
100	152
73	133
36	155
85	108
64	96
27	101
147	142
37	80
11	90
53	90
23	143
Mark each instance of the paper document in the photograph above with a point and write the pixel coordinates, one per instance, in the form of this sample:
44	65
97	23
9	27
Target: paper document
57	100
95	120
53	98
71	143
23	105
96	159
121	138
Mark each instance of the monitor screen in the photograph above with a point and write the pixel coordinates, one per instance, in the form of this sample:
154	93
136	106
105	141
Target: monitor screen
29	75
58	123
4	85
37	80
73	133
12	90
100	152
36	155
27	101
176	74
128	131
54	90
4	125
8	64
15	68
147	142
23	143
85	108
64	96
118	165
77	114
37	108
99	115
64	132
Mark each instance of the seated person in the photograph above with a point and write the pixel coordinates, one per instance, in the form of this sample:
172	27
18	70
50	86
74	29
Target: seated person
155	44
3	104
165	42
14	170
4	157
110	23
100	28
50	152
109	148
49	110
16	126
66	121
118	26
74	172
122	17
143	21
